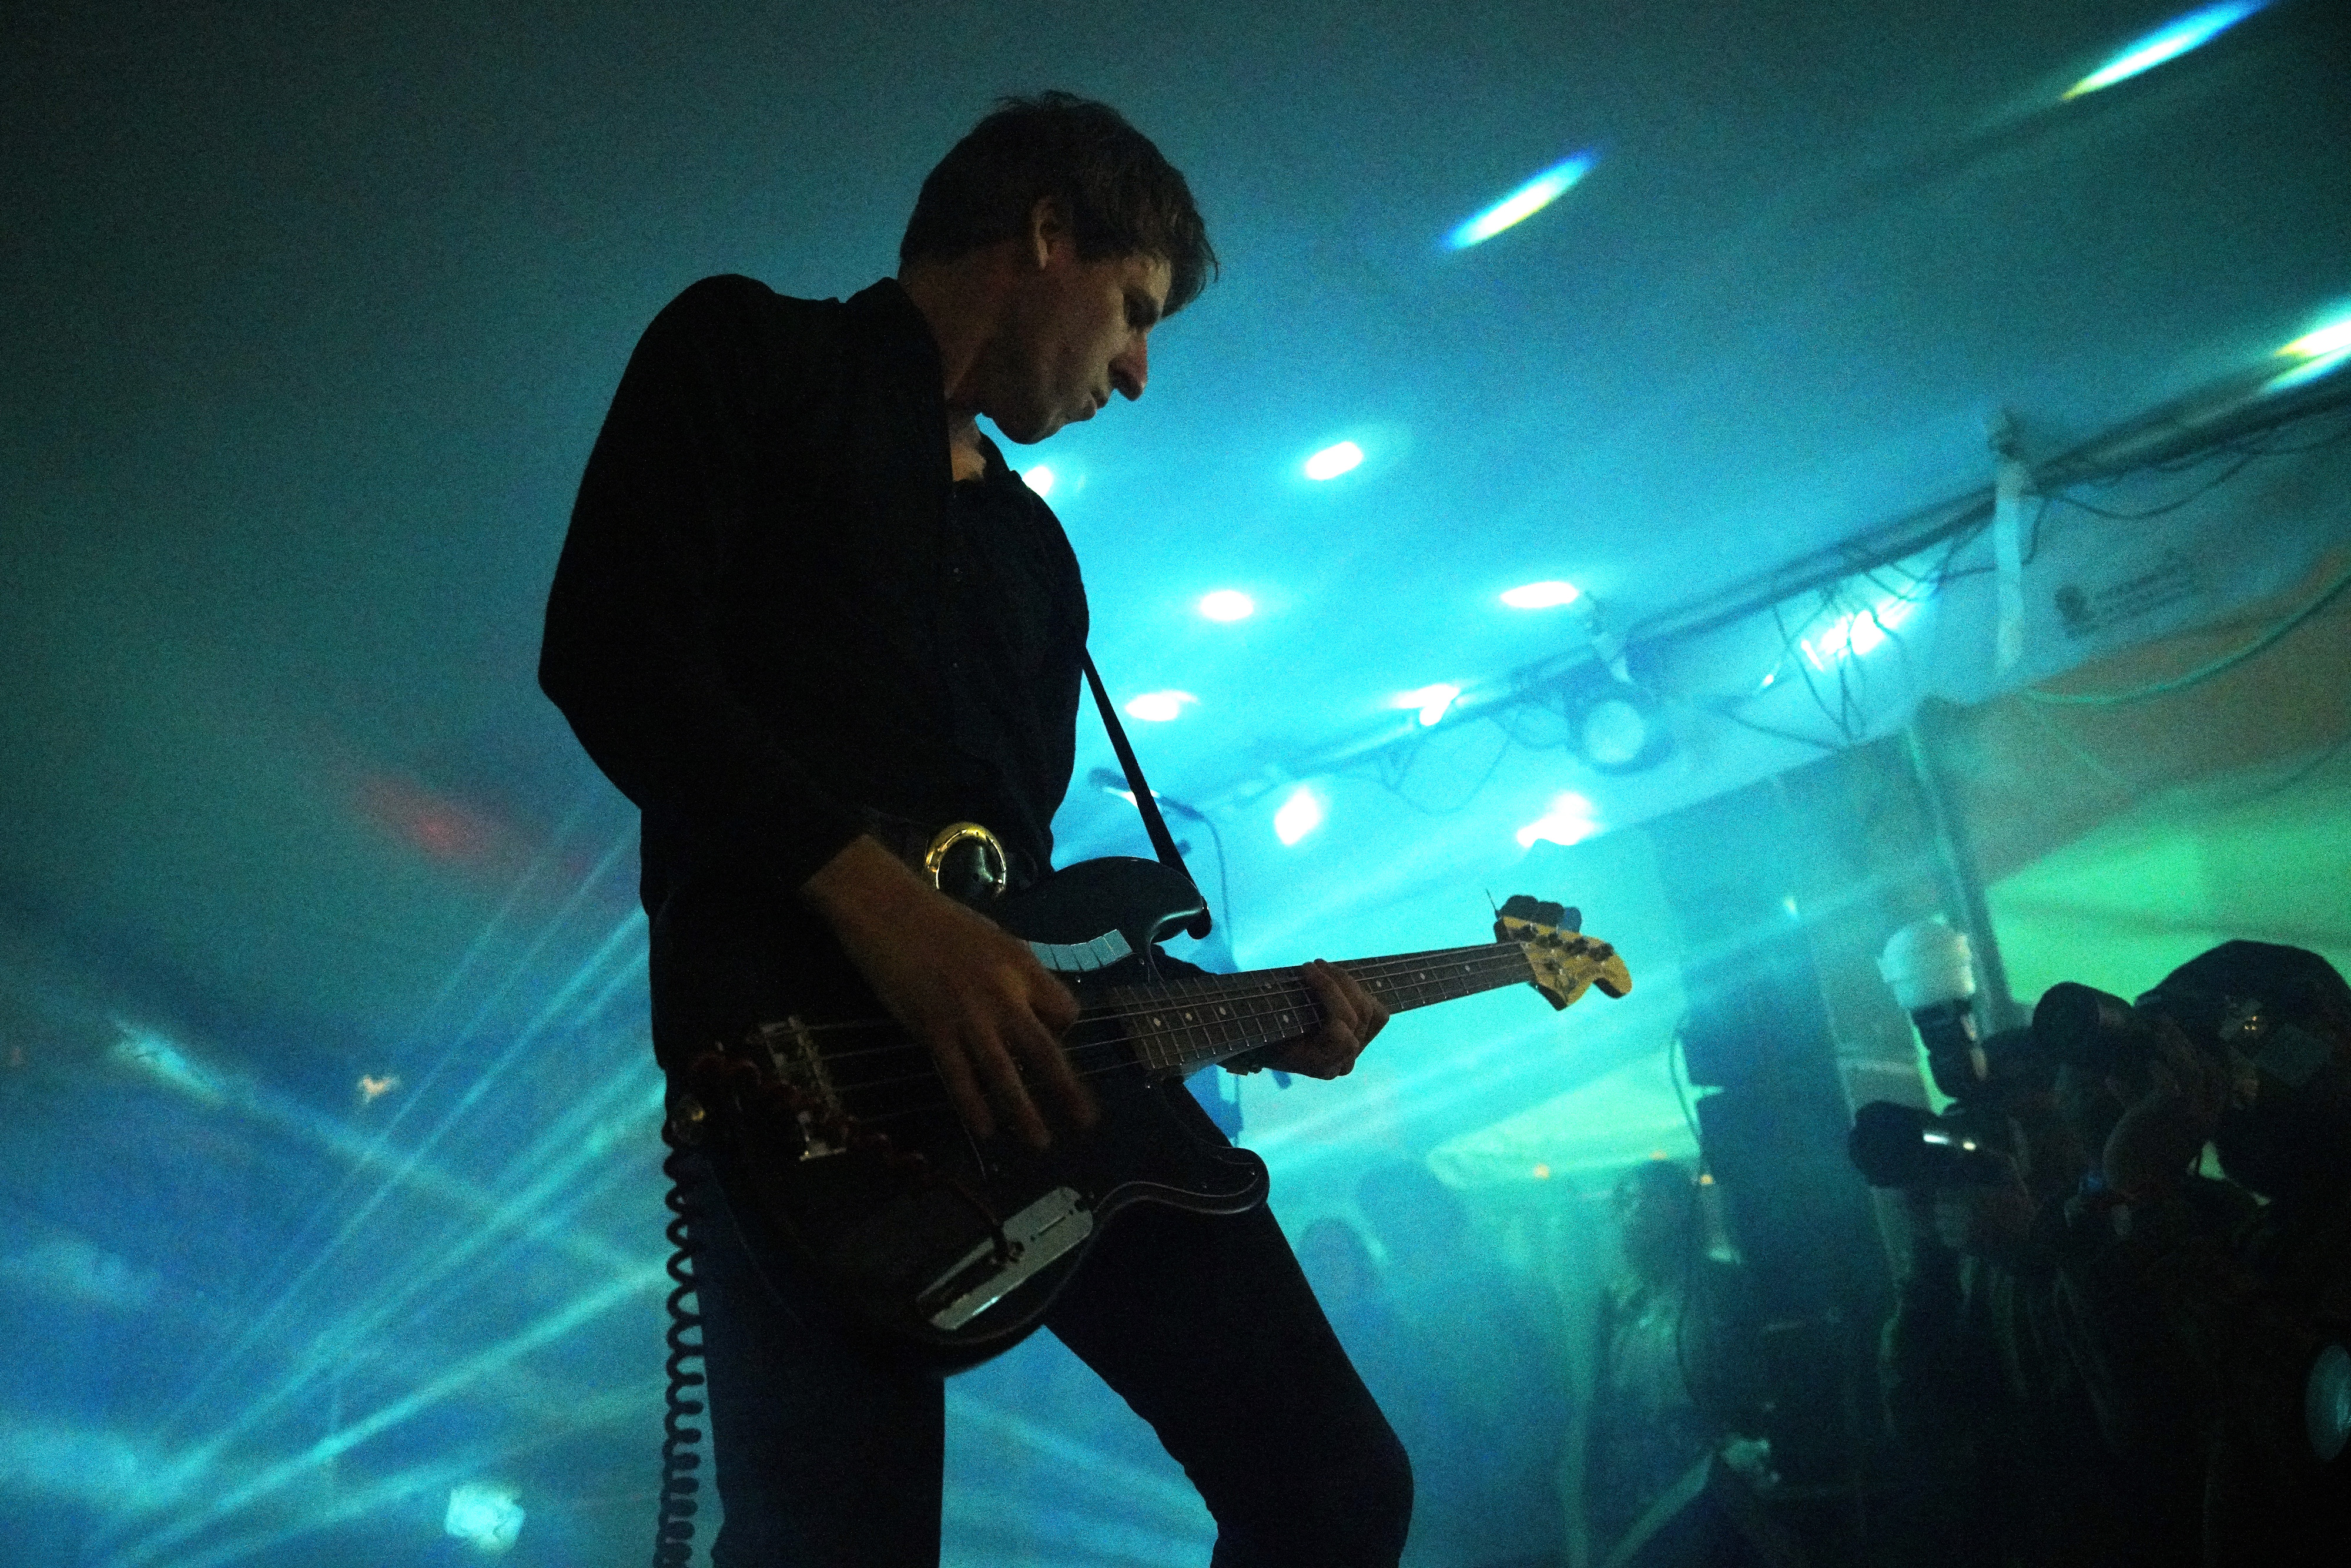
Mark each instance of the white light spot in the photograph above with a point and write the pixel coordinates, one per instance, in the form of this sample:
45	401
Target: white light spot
1431	701
1040	479
1228	604
1333	461
1523	202
1852	636
1299	815
487	1518
1541	595
1158	707
1570	820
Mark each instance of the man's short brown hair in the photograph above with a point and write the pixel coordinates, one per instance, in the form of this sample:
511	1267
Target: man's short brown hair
1122	197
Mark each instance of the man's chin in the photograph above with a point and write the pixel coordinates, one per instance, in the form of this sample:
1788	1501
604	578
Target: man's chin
1030	435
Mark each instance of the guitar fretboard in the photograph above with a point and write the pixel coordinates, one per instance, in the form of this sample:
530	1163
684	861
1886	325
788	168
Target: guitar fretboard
1179	1025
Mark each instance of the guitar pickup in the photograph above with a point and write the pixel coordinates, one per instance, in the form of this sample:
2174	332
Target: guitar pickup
1035	1237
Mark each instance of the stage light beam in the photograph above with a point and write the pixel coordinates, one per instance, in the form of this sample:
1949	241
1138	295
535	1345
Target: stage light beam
1523	202
2165	43
2316	353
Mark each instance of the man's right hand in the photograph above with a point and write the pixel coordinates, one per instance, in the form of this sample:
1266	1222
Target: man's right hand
976	997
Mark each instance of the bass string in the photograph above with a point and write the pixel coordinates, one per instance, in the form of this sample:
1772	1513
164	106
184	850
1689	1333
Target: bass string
1375	970
1119	1063
1075	1048
1292	996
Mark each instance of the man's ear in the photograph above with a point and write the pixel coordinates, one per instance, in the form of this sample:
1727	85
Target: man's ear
1049	225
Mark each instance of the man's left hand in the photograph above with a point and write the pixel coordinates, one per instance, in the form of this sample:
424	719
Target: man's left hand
1351	1017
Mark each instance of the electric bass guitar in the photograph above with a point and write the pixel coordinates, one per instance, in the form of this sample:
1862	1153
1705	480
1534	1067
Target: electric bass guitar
833	1136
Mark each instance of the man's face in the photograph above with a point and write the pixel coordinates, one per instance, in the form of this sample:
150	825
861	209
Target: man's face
1076	332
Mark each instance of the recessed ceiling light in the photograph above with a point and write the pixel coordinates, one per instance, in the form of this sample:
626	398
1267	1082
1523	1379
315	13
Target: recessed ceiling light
1158	707
1541	595
1431	701
1299	816
1570	820
1333	461
1228	604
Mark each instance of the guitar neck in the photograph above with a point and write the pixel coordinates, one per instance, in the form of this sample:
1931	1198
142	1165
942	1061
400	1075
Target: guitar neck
1177	1026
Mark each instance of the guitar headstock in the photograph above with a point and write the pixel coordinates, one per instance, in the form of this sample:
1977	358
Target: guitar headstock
1566	962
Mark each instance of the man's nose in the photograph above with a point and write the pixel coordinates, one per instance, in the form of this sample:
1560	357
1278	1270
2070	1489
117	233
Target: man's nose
1132	368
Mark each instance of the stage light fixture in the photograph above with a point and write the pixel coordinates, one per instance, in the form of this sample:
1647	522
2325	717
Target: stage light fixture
1228	604
1040	479
1617	724
1159	708
1523	202
1333	461
1613	733
1299	816
1547	595
2192	31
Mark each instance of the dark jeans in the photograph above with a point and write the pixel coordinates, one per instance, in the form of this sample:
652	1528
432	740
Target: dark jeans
829	1454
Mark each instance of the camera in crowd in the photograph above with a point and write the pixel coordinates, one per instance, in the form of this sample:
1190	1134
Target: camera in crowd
2274	1021
1972	1143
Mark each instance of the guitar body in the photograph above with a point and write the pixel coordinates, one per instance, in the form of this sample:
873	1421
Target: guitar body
837	1145
844	1162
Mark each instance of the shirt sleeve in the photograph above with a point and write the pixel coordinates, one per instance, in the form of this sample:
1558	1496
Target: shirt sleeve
630	655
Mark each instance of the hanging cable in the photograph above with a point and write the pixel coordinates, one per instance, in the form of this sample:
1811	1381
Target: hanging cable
673	1523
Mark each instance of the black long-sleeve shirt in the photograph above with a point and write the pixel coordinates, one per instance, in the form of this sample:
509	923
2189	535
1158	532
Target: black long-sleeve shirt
776	615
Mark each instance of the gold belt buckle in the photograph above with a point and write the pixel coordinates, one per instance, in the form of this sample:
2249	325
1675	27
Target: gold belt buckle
967	862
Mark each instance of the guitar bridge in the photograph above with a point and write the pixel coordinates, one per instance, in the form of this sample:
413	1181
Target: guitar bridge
982	1277
793	1055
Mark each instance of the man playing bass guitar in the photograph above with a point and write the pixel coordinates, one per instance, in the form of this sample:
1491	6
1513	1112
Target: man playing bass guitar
805	616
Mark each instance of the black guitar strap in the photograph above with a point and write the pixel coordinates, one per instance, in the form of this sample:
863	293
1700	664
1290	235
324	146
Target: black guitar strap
1162	840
